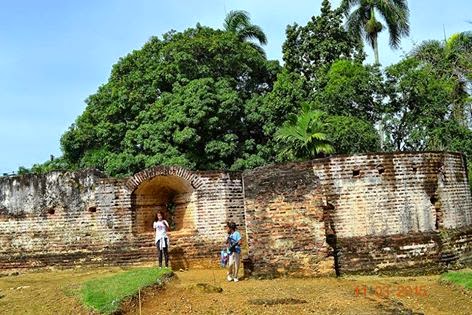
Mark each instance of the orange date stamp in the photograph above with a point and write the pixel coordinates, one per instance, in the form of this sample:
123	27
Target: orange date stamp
387	291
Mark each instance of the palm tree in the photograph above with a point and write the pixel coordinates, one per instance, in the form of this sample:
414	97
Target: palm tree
303	135
239	23
363	21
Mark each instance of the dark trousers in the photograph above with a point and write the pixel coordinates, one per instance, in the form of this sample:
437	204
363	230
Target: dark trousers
164	251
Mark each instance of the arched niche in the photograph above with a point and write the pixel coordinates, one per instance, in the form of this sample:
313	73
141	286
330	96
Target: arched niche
173	195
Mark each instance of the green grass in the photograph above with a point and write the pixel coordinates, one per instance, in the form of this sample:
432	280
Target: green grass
106	294
461	278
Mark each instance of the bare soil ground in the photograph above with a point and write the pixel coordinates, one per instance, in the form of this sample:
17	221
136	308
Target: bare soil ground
47	292
383	295
56	292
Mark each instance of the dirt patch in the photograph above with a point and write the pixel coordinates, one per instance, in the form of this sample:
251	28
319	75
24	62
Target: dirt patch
347	295
207	288
147	294
56	292
276	301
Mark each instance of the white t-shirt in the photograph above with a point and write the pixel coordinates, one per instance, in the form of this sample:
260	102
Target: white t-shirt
161	229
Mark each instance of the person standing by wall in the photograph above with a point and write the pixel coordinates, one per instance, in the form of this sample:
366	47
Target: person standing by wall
162	240
234	249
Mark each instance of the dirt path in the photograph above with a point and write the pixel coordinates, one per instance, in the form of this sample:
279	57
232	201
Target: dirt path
382	295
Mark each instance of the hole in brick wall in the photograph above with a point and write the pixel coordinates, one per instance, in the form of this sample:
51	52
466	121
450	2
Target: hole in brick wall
415	169
381	169
356	173
92	209
51	211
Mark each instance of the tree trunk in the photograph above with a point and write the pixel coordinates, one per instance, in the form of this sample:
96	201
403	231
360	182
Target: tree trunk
375	34
376	49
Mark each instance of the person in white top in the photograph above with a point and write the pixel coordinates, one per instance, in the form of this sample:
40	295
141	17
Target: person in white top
162	240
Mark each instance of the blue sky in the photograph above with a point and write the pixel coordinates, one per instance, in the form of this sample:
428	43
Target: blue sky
54	54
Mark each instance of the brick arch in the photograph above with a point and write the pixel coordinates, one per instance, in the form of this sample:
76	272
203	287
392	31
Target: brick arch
137	179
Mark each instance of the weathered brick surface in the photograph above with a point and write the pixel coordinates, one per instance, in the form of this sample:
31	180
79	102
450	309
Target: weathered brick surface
284	221
67	219
381	212
400	212
398	199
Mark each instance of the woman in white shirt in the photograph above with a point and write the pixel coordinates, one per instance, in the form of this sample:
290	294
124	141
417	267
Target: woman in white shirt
162	240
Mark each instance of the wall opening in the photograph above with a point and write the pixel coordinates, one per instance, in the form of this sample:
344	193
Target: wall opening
380	169
171	195
92	209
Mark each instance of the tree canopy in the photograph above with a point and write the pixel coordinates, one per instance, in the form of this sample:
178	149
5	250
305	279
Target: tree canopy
311	49
178	100
209	99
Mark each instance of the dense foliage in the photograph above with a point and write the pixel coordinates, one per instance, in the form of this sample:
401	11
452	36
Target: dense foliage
179	100
209	99
304	135
311	49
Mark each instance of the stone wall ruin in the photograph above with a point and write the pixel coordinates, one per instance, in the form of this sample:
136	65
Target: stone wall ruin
372	213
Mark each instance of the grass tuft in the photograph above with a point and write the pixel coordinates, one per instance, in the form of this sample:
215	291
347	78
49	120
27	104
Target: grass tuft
106	294
461	278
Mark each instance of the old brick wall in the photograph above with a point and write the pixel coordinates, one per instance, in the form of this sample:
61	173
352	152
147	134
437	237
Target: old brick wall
47	219
399	212
215	199
68	219
388	212
284	221
393	210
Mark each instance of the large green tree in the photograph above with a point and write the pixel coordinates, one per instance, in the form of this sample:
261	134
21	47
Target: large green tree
351	89
437	76
351	135
452	59
419	106
178	100
364	20
311	49
269	111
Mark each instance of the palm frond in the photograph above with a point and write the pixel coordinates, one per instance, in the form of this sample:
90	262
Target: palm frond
253	32
325	147
355	23
396	15
258	48
234	19
239	23
347	5
304	137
